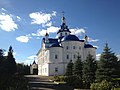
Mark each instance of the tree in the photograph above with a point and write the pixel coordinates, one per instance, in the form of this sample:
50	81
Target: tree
107	66
1	56
10	63
78	67
89	68
77	72
69	69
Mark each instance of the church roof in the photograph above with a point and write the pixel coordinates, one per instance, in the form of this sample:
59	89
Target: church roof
52	43
64	28
88	46
70	38
34	62
55	45
52	40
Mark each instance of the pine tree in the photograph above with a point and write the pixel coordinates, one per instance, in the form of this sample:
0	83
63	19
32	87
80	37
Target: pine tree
107	66
89	68
78	67
69	69
10	63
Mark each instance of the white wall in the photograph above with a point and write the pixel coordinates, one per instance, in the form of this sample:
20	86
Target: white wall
71	51
47	61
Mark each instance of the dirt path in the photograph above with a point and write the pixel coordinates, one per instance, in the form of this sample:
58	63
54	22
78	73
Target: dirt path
42	83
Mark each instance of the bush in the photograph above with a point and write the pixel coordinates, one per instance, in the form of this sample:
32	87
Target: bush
59	78
18	82
74	81
104	85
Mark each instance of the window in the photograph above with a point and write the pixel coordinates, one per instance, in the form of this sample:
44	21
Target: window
80	48
56	57
73	47
67	47
60	34
56	69
45	70
65	33
74	56
67	56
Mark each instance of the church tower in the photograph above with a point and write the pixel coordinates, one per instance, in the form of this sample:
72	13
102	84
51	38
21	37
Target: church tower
46	37
64	31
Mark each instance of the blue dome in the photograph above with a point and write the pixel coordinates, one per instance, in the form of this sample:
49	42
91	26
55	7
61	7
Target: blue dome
70	38
88	46
55	45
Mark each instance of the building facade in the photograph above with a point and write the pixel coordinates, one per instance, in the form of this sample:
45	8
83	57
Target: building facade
55	53
34	68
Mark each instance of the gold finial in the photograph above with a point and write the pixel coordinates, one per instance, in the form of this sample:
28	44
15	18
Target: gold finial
86	37
63	18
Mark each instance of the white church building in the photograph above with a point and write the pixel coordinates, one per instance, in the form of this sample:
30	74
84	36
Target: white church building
55	53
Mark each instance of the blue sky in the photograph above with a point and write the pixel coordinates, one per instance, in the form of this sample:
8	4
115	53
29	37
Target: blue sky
23	23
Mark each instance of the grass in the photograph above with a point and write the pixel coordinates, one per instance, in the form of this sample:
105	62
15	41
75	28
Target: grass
116	88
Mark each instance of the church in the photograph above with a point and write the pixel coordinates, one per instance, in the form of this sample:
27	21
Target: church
55	53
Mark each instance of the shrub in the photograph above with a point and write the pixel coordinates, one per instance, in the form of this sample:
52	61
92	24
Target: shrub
59	78
104	85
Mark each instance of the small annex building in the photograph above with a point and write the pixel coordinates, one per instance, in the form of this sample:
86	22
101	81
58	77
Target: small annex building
34	68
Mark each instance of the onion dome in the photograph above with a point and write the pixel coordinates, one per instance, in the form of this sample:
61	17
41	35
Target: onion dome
70	38
88	46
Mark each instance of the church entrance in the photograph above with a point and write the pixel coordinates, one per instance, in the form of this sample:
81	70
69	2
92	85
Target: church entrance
35	71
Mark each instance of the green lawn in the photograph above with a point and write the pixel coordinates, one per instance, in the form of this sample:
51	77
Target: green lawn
117	89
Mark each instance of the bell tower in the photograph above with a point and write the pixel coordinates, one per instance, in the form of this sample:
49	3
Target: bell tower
63	31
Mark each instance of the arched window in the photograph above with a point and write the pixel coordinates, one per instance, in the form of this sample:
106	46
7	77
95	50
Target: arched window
67	47
67	57
74	56
80	48
65	33
56	69
56	57
73	47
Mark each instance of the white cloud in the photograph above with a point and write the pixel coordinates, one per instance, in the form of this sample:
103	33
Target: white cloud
98	56
39	33
96	46
7	23
3	9
41	18
28	62
42	32
32	57
6	53
54	13
18	18
52	29
23	39
92	40
77	31
48	24
118	57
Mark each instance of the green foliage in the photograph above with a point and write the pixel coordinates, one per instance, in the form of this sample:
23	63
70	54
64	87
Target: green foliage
104	85
23	69
69	69
59	78
18	82
107	66
74	81
78	67
9	80
10	63
89	68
